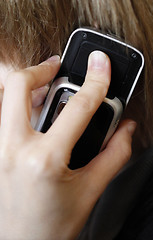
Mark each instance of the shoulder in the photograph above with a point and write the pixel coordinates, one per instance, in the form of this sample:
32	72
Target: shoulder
125	210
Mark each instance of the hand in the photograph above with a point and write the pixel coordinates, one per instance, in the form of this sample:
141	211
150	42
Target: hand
40	197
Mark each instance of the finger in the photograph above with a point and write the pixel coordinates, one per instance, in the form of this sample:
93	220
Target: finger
16	106
76	115
100	171
38	96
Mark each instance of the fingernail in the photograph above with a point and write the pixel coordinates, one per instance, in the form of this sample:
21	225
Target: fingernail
97	59
54	58
131	127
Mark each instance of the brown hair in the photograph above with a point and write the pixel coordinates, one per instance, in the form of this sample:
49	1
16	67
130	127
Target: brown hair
31	31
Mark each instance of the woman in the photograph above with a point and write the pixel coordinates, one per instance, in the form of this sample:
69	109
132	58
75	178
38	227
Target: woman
34	169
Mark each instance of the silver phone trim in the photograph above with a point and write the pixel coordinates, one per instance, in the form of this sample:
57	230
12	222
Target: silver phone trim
118	110
61	82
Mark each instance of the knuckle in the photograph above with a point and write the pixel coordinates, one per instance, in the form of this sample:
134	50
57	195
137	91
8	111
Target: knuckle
83	103
19	78
37	165
98	81
44	165
89	100
99	87
126	150
15	76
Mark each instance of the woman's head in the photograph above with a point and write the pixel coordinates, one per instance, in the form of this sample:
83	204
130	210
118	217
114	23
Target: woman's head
32	31
41	27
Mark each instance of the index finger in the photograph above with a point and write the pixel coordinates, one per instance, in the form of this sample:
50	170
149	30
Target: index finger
76	115
16	106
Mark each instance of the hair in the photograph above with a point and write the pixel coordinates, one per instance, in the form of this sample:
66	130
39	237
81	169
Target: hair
32	31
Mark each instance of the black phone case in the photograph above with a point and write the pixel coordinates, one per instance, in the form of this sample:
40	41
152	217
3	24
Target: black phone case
126	64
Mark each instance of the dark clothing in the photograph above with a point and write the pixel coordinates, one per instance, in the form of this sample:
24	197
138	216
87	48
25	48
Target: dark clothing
125	210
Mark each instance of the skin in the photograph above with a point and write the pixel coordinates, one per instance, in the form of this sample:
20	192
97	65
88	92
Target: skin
40	197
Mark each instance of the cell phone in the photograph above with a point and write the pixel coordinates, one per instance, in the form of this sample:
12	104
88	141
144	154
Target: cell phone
126	64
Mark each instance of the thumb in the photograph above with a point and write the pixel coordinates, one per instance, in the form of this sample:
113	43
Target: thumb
100	171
